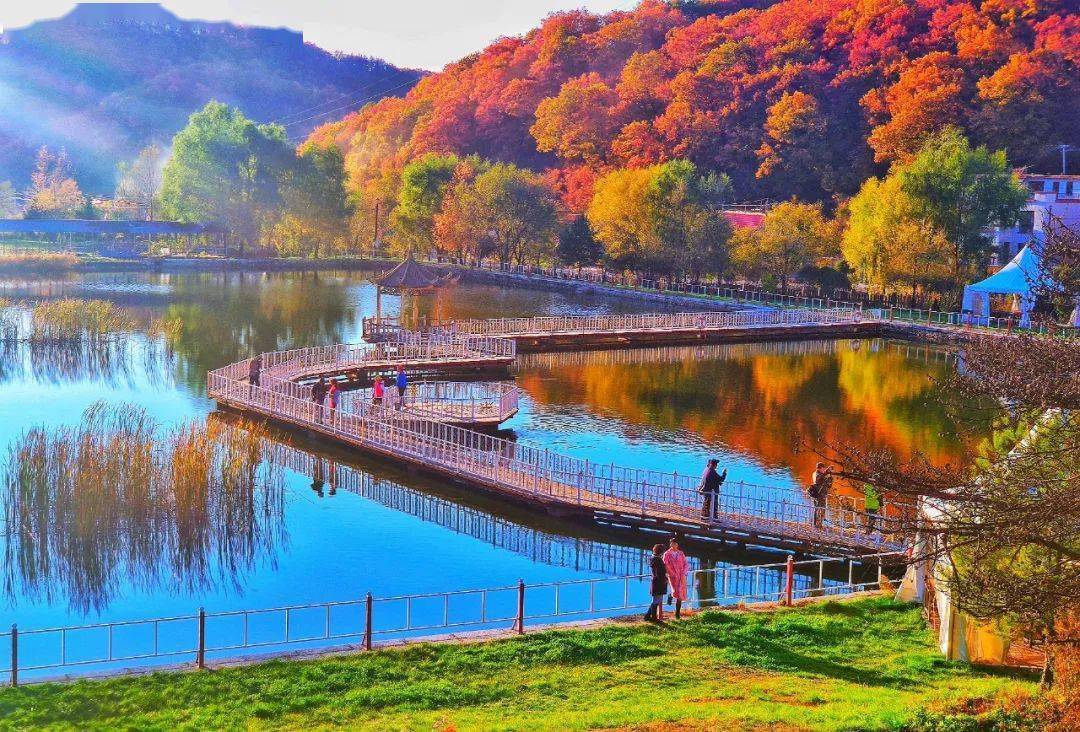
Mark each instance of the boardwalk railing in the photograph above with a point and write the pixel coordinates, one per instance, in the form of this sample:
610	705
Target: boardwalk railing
749	296
545	476
406	347
622	323
367	621
450	401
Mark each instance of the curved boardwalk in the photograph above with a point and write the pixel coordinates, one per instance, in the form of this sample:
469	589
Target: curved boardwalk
560	484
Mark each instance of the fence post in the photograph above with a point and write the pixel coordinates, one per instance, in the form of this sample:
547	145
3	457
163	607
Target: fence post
200	652
789	580
368	602
880	571
14	654
521	608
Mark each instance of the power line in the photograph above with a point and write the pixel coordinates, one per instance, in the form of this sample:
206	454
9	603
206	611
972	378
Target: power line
364	88
378	95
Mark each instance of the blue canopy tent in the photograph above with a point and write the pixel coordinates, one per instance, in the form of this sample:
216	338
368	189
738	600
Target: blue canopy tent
1015	279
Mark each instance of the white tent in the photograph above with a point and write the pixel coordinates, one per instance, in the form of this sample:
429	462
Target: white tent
1015	278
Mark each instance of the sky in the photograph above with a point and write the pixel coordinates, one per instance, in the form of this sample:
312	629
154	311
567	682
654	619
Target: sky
423	34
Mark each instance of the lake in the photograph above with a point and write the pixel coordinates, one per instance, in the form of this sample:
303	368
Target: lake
376	528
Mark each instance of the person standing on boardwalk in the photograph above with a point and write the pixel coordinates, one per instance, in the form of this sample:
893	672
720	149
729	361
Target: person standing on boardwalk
377	392
709	488
872	506
676	565
255	370
334	395
402	384
820	485
658	585
318	395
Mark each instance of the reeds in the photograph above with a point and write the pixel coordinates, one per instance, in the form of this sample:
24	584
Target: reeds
19	263
64	320
116	501
71	318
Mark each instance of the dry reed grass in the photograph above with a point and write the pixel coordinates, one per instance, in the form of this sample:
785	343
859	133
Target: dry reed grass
117	500
18	263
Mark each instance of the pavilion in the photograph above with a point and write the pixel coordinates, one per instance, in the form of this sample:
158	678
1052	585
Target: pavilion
409	276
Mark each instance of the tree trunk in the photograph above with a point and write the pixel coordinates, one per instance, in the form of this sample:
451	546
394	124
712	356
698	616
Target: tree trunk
1046	678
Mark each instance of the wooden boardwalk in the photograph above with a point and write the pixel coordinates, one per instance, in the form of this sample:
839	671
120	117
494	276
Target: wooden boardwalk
575	332
560	484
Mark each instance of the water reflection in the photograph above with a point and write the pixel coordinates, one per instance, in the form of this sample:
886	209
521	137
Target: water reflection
757	400
112	505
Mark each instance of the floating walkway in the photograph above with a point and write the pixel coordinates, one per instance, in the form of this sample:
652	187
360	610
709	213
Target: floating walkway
607	494
575	332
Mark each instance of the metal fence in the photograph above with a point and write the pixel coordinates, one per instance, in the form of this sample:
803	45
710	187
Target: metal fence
742	295
648	322
407	346
541	474
124	646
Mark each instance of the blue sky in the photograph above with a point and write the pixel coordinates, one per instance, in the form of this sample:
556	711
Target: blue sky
416	33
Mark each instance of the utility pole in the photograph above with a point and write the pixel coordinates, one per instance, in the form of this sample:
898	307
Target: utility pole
1065	149
375	241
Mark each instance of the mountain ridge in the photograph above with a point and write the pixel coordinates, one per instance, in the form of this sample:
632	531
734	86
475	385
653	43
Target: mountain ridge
104	80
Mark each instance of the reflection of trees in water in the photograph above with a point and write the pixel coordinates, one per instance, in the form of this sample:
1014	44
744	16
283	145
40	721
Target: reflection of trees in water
211	318
131	359
218	319
760	397
114	502
70	340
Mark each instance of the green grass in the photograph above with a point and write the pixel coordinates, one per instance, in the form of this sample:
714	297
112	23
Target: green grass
865	664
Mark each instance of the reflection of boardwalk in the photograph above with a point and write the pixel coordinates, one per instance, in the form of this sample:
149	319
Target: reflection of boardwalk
728	352
604	493
581	554
552	549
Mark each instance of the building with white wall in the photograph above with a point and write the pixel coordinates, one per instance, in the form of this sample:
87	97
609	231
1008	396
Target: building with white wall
1051	195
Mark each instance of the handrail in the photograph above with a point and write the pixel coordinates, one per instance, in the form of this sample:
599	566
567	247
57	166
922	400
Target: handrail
528	470
328	625
617	323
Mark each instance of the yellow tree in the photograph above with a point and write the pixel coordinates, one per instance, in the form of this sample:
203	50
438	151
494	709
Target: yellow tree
619	217
793	236
888	244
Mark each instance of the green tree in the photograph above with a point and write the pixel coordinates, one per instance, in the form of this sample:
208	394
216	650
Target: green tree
664	218
793	236
685	220
962	191
577	245
506	210
423	186
228	170
316	209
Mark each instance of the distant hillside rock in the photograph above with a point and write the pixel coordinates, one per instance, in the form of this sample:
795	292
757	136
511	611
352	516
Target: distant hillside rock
107	79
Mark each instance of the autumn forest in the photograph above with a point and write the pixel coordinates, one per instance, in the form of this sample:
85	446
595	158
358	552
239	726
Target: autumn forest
888	131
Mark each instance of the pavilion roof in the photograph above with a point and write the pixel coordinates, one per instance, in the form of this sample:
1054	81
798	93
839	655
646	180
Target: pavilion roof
411	275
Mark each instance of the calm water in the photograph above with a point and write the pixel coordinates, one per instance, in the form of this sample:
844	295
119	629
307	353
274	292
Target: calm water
374	528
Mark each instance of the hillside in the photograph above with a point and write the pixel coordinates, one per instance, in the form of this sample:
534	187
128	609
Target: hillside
788	97
105	80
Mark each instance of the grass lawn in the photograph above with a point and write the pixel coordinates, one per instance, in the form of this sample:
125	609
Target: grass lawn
861	664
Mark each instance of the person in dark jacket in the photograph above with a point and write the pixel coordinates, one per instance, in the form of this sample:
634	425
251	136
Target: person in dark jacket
659	585
318	395
709	488
255	370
